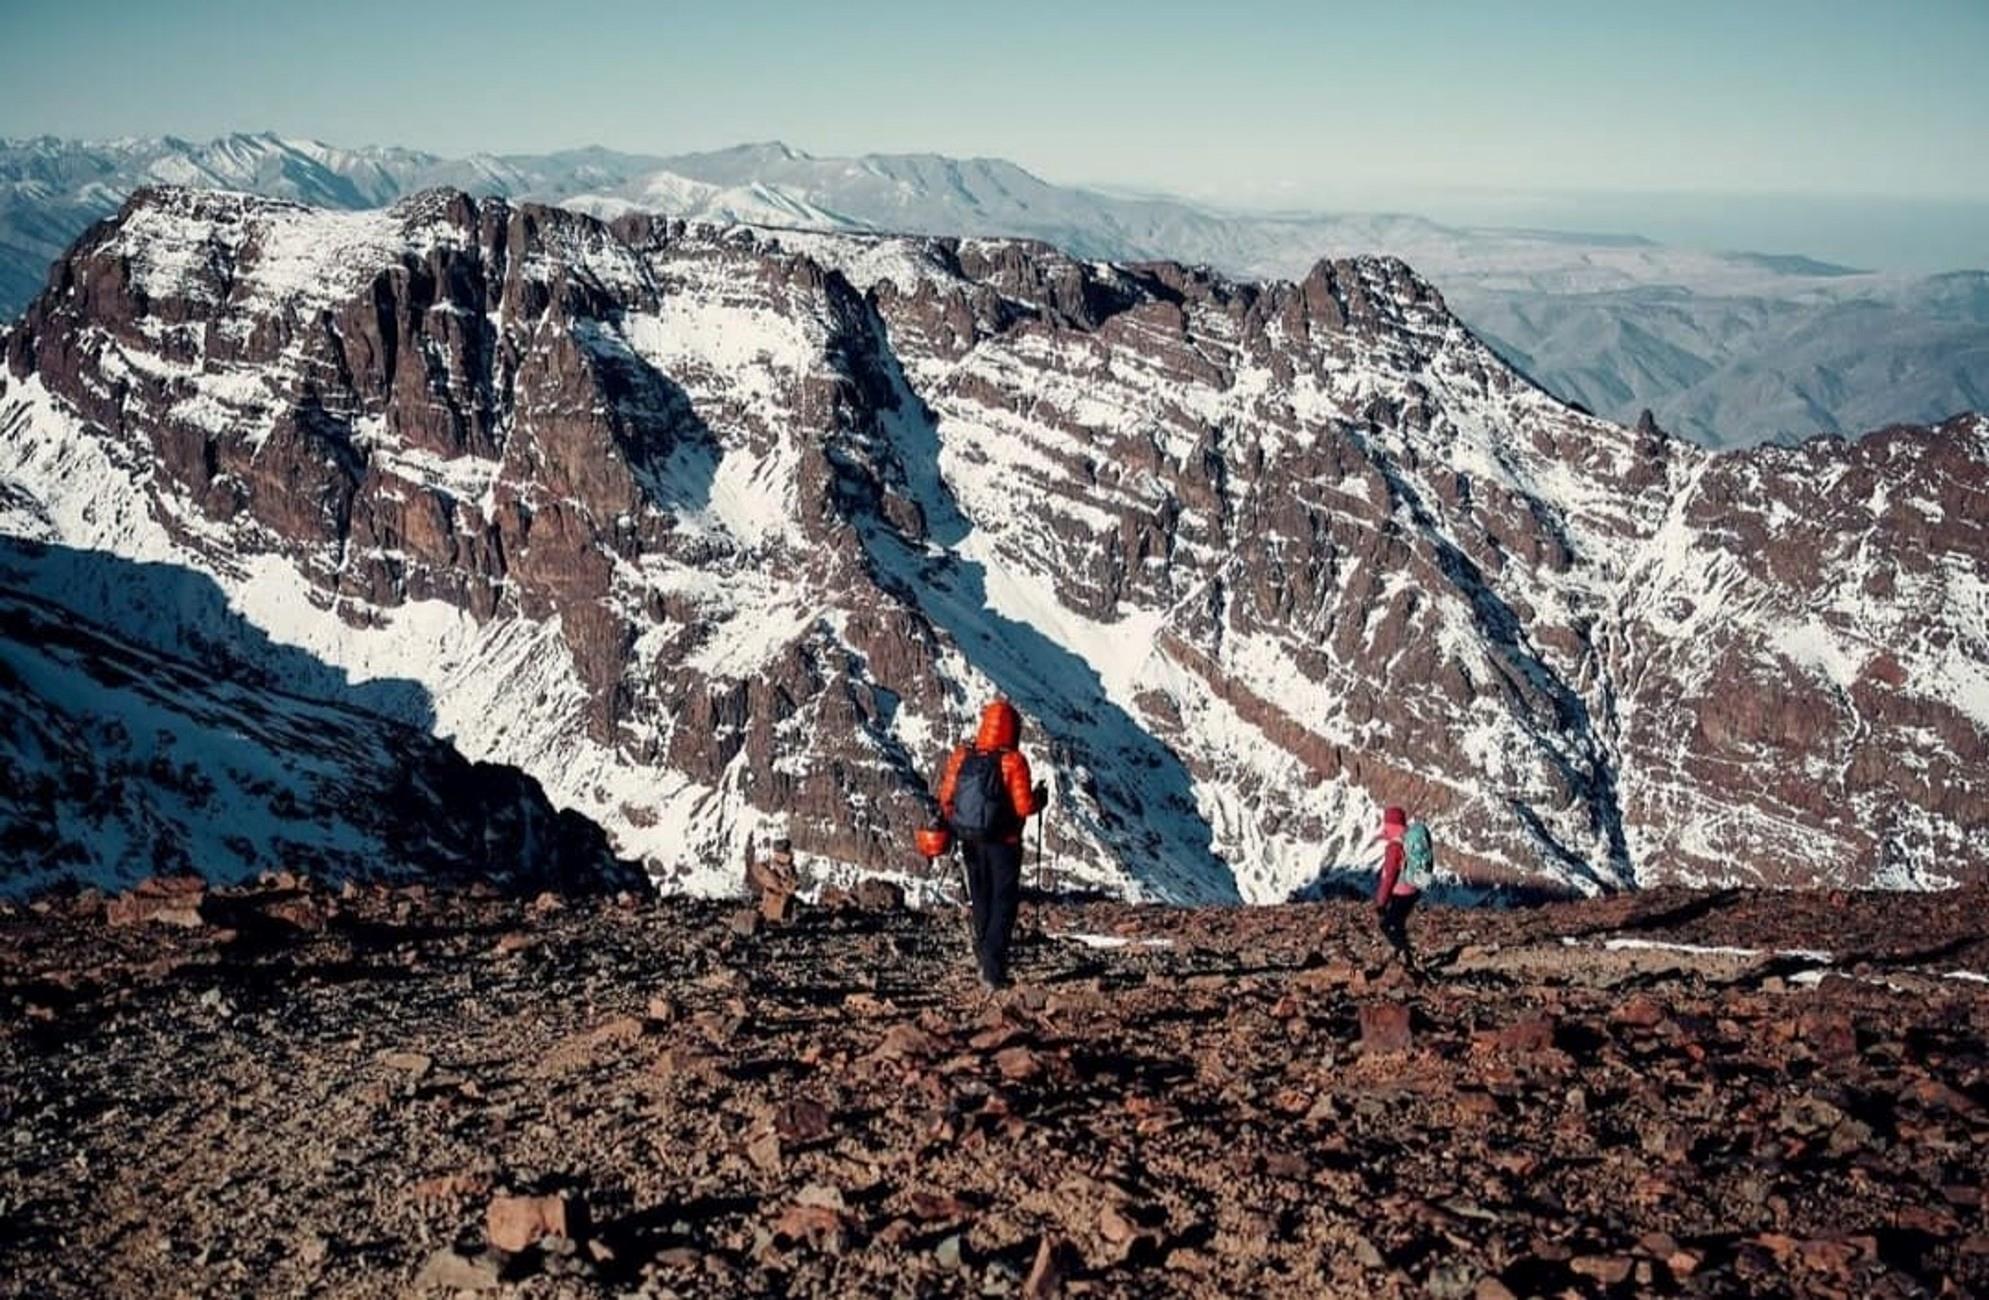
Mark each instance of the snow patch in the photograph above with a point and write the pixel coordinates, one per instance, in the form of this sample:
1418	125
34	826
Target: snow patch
1108	941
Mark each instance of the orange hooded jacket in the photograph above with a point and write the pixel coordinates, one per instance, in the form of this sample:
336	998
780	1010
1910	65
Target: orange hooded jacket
1001	727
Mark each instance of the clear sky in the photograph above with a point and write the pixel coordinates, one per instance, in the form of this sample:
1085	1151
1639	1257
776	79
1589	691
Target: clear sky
1365	105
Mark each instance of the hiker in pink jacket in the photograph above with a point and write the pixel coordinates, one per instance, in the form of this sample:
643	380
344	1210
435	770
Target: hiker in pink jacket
1395	897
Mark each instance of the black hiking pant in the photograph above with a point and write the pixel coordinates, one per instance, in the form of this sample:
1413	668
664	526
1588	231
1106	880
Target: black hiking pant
1395	922
994	883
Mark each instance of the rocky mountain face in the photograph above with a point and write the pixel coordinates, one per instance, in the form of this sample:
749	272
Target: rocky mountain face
1726	348
723	533
419	1092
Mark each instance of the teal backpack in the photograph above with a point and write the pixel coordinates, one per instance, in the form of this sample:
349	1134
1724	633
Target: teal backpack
1418	856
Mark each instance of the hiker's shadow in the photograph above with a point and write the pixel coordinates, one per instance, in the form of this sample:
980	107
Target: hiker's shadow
182	613
236	752
670	449
1359	884
1337	884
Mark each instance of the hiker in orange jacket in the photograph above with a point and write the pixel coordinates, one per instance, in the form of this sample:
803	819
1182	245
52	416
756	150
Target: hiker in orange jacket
986	796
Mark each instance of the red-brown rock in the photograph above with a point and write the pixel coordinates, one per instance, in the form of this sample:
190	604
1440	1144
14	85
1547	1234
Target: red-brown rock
1385	1027
513	1223
176	900
877	895
1056	1259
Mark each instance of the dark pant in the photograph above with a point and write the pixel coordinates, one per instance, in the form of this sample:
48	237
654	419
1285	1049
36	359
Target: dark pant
994	880
1395	921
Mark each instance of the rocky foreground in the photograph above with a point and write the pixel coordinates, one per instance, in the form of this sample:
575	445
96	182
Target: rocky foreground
285	1091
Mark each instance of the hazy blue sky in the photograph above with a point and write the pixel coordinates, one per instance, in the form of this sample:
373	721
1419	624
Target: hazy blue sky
1365	105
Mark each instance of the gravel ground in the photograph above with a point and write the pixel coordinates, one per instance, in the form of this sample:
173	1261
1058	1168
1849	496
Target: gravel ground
286	1091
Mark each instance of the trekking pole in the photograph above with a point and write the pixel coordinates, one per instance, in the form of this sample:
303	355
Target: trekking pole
967	893
1043	879
1056	793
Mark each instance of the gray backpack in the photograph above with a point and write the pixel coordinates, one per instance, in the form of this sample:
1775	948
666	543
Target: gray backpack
980	803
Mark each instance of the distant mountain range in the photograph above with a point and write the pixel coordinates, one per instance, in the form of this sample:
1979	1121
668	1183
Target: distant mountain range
1725	348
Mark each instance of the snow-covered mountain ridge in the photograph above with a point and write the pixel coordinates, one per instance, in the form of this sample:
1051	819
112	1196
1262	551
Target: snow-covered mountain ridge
724	532
1726	348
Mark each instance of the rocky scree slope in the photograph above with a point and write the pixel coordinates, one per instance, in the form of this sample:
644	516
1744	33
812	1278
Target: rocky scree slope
415	1091
723	533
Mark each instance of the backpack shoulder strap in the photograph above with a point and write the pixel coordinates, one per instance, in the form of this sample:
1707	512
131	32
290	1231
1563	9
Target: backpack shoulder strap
949	780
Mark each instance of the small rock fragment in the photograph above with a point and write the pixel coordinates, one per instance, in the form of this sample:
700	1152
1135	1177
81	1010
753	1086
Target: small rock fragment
1018	1064
1385	1027
765	1152
875	895
512	1223
1640	1012
802	1120
934	1207
819	1225
907	1042
1525	1037
1606	1269
1114	1226
1056	1260
822	1196
161	900
1451	1280
417	1064
446	1270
